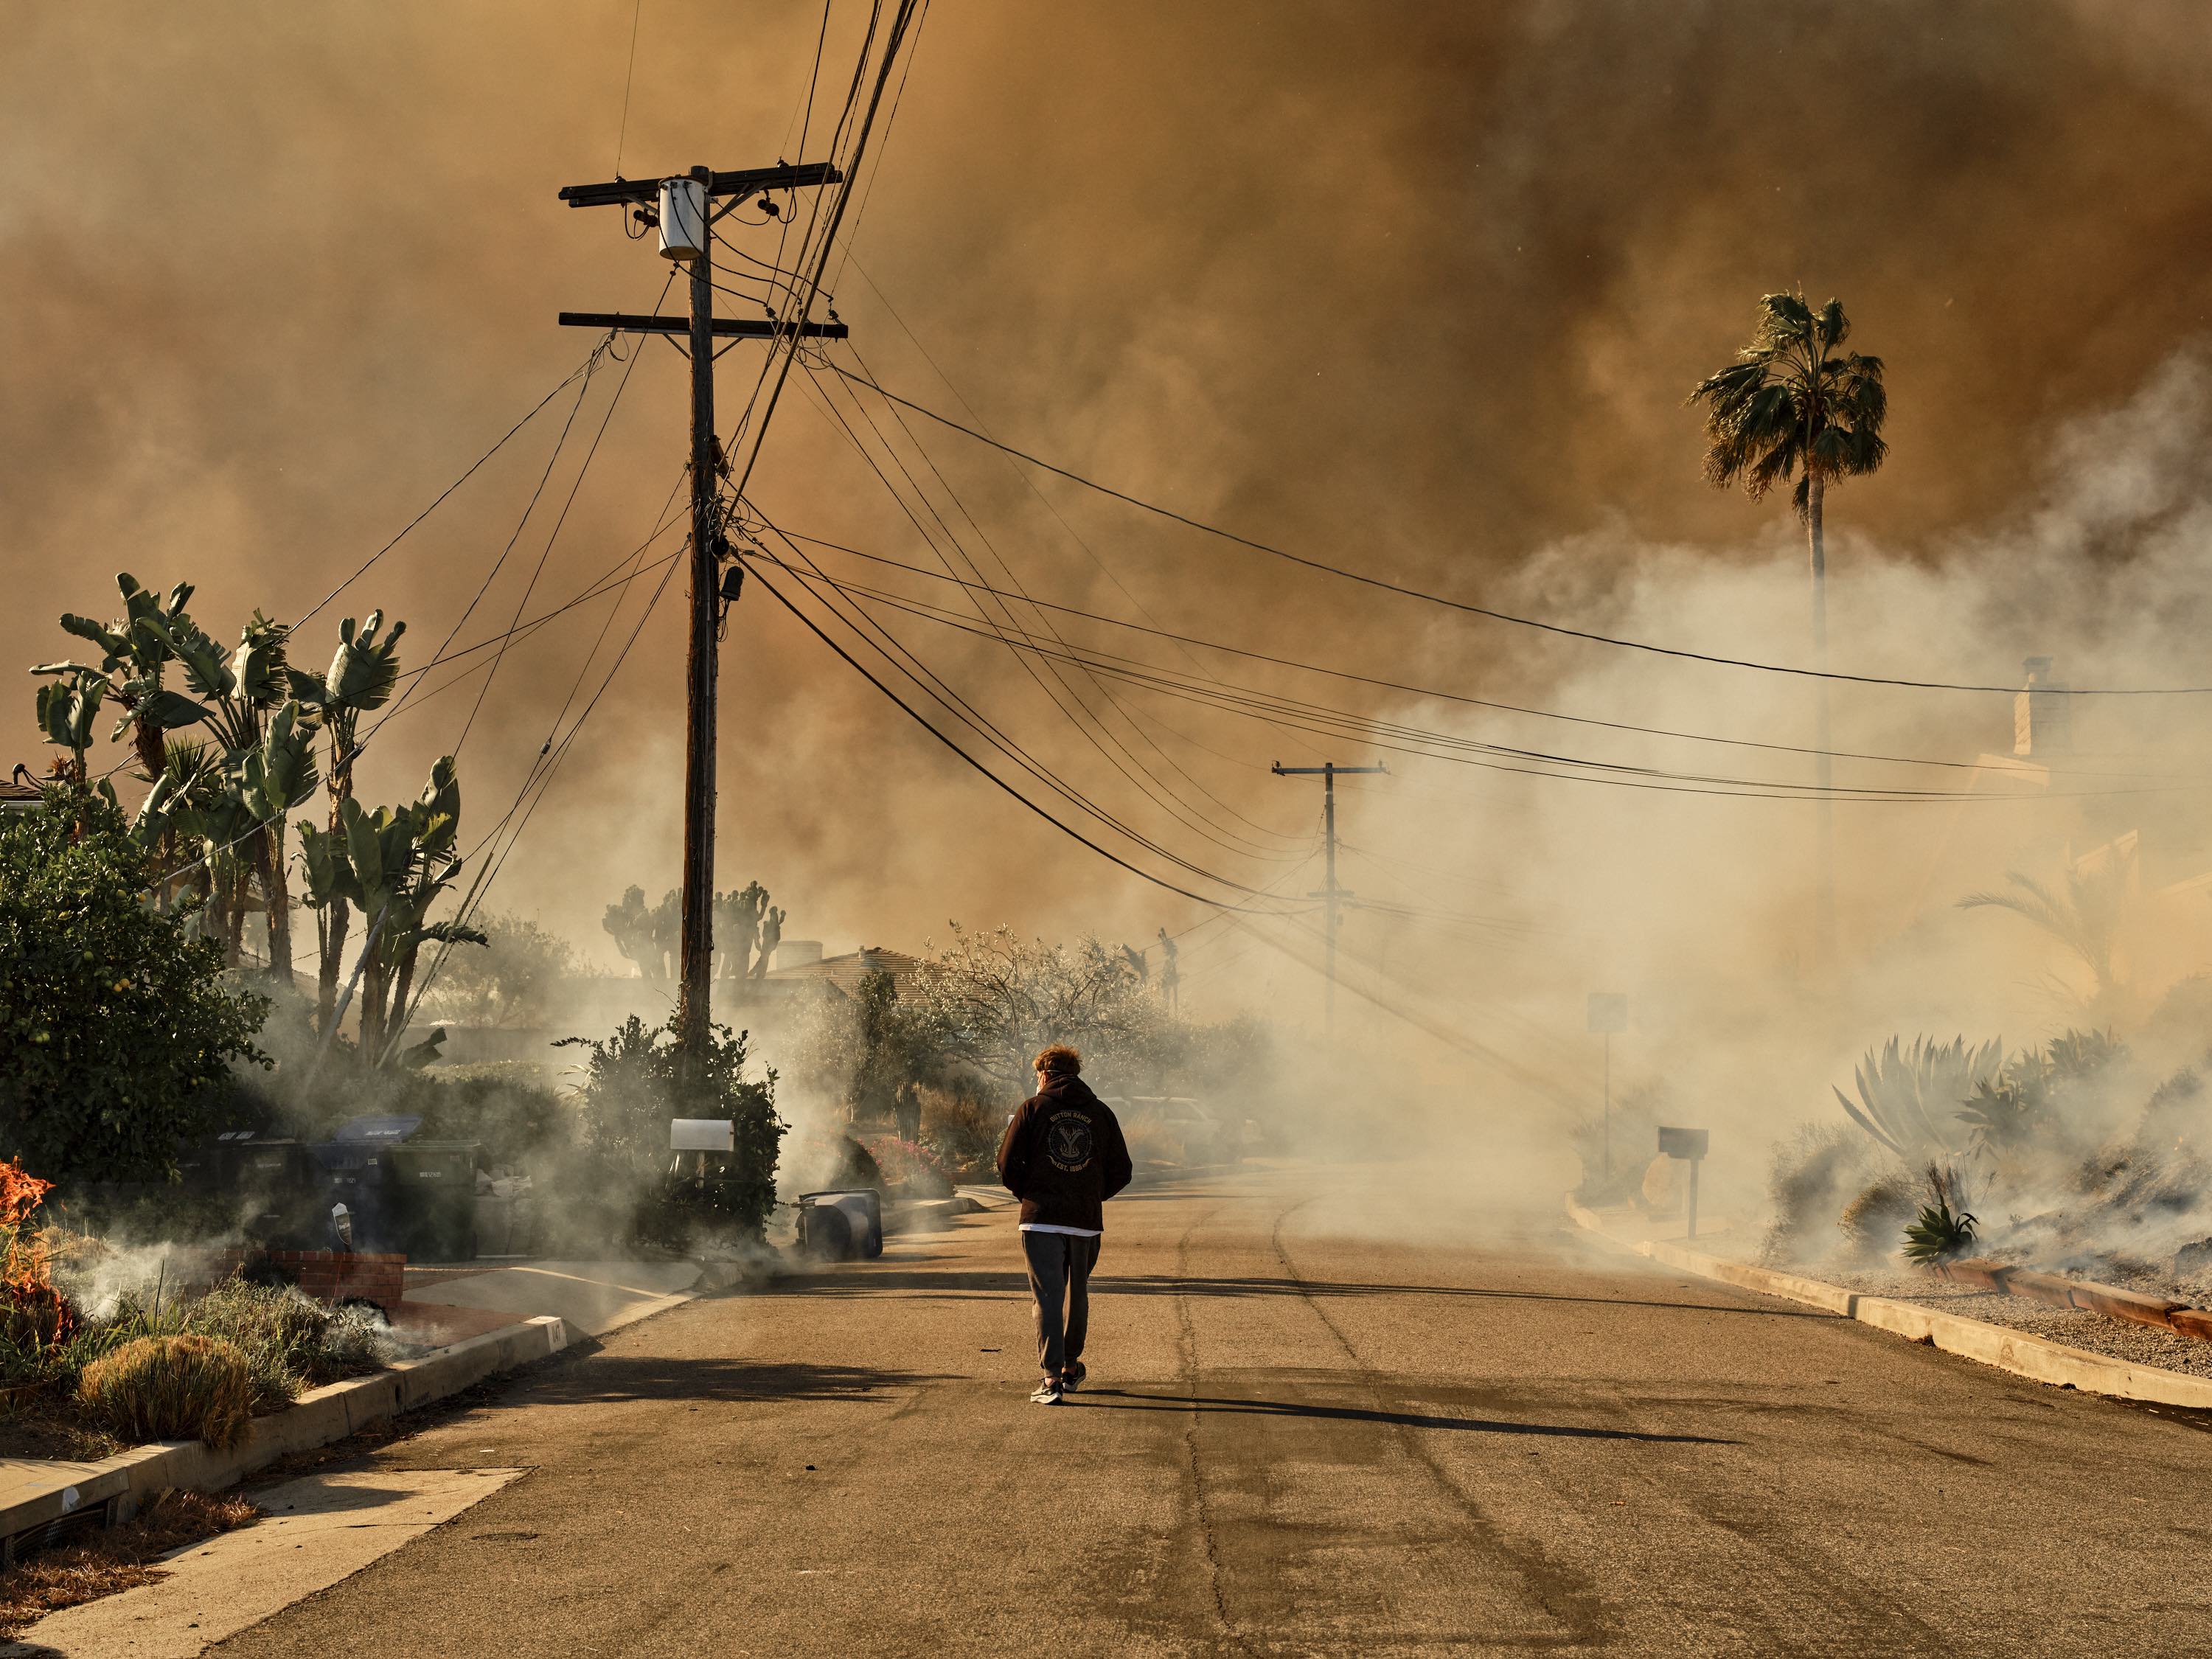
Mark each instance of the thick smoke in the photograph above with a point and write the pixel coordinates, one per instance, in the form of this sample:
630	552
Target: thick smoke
1422	296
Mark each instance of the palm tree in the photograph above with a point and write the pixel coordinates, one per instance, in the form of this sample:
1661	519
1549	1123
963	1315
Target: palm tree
2087	918
1794	405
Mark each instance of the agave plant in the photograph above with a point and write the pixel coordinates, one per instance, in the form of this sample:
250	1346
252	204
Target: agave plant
1909	1098
1942	1230
2027	1102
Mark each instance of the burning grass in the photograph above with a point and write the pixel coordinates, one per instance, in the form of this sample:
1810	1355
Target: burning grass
89	1349
99	1563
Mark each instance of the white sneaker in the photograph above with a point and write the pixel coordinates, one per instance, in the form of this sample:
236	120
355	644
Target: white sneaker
1048	1393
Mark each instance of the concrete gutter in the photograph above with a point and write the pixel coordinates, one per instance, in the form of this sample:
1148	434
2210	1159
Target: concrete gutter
2032	1357
113	1487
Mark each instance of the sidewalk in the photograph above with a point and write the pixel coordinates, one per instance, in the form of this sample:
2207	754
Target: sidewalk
590	1297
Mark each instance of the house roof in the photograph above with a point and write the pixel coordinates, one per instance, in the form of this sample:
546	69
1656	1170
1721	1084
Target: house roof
846	972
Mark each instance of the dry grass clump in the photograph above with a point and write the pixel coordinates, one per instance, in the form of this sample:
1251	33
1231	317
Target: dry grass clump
99	1563
172	1388
1873	1222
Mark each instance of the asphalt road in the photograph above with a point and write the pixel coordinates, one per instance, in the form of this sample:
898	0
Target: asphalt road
1297	1441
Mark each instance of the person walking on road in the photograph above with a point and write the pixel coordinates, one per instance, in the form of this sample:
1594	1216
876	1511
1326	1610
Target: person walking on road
1063	1156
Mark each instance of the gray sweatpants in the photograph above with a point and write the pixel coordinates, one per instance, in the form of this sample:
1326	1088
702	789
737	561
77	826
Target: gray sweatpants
1059	1272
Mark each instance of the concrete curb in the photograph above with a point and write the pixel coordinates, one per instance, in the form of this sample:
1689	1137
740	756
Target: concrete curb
117	1485
2035	1358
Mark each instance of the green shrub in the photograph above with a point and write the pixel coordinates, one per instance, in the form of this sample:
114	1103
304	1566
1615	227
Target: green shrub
961	1122
508	1108
1812	1174
634	1083
356	1341
171	1387
914	1171
118	1028
290	1339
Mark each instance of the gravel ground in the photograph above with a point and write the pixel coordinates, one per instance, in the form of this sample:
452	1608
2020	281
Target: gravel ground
2139	1344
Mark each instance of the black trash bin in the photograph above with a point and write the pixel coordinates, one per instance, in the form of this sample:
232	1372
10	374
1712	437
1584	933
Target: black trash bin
430	1199
836	1226
278	1186
358	1176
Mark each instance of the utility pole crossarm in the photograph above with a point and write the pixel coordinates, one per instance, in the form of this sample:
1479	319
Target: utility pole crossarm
743	328
745	181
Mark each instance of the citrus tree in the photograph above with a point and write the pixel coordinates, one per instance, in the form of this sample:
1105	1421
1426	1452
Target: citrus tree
118	1028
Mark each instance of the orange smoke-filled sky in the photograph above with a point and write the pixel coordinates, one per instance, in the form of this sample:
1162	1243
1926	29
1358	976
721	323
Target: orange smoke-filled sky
1417	289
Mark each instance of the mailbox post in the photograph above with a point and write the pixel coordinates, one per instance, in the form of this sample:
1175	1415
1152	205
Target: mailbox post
1689	1145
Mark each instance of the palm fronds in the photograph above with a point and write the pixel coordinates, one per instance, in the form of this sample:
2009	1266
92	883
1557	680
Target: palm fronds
2085	919
1793	405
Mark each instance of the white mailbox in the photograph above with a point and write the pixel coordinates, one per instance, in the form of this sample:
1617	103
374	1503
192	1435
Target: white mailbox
701	1134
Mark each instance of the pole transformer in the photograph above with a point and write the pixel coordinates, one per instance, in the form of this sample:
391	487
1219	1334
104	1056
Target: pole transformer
1329	773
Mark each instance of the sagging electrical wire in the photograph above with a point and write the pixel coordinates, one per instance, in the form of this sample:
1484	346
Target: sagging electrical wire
1560	629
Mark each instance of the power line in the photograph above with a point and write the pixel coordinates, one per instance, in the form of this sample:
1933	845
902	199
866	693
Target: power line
1028	483
535	410
1189	640
1484	610
1264	708
529	507
1159	791
1267	708
628	75
935	686
923	721
554	535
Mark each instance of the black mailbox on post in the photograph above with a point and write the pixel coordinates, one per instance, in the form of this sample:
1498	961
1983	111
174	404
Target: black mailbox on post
1688	1143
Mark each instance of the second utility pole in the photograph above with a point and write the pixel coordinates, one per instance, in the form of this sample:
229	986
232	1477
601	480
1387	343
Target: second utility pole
1329	773
685	214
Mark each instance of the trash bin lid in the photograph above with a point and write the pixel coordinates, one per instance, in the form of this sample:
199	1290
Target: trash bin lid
374	1128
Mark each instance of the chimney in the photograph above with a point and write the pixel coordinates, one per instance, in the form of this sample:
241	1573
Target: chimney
798	953
2042	716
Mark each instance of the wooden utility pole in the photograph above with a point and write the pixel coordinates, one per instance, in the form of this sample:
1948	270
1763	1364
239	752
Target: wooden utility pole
683	210
1329	773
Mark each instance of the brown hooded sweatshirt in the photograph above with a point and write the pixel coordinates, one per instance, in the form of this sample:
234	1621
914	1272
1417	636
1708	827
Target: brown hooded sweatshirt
1063	1156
